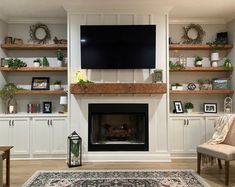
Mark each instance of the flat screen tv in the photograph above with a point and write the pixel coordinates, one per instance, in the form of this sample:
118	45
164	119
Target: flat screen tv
118	46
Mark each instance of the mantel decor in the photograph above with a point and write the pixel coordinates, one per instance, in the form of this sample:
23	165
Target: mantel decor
188	39
39	33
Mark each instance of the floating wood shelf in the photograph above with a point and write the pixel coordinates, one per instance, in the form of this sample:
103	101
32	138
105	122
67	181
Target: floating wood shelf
41	92
119	88
34	69
198	47
33	46
201	91
201	69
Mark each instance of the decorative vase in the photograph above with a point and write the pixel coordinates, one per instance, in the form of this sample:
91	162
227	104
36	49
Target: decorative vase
214	64
36	64
59	63
11	105
189	110
57	86
198	64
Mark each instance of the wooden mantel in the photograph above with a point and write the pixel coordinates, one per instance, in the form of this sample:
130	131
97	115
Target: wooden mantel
119	88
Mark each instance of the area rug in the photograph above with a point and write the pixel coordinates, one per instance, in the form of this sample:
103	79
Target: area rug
116	178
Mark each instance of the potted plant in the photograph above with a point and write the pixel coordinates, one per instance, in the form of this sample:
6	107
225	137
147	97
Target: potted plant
60	57
15	63
45	62
189	107
228	64
176	86
198	61
37	62
57	85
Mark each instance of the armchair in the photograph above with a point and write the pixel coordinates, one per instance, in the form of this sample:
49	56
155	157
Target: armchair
222	151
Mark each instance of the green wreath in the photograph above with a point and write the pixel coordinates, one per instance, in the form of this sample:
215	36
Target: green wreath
198	39
33	33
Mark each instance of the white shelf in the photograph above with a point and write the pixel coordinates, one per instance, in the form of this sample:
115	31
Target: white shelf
22	114
197	114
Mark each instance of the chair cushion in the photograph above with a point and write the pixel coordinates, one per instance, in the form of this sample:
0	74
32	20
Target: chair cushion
230	138
222	151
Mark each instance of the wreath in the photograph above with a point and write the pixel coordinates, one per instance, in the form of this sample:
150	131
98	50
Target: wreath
33	33
200	34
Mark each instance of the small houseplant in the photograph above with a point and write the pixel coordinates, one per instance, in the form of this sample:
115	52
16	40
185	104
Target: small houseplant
45	62
228	64
189	107
60	57
37	62
176	86
198	61
15	63
57	85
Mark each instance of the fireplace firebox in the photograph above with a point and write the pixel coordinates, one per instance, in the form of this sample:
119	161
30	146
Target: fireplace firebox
118	127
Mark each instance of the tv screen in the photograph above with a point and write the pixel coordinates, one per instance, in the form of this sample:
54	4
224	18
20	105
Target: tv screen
118	46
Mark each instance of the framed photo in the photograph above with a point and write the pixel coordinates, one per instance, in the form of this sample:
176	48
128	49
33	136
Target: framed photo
178	107
210	107
46	107
40	83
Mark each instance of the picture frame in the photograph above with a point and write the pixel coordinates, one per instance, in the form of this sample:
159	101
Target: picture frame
47	107
178	107
210	107
40	83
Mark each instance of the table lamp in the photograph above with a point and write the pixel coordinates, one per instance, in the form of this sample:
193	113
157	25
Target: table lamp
64	102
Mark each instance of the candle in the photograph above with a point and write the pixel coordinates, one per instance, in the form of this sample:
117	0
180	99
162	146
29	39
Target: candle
11	109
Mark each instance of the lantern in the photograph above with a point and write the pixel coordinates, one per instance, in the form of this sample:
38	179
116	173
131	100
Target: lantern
74	150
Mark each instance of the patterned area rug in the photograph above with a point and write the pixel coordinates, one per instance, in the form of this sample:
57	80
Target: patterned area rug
116	178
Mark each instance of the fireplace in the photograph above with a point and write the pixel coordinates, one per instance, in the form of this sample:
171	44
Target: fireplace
118	127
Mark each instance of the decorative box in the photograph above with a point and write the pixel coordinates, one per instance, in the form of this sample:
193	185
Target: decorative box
220	84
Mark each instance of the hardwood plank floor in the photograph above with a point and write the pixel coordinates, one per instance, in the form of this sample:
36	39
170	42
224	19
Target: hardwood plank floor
21	170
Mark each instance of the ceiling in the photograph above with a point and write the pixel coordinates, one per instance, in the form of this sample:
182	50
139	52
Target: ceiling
179	9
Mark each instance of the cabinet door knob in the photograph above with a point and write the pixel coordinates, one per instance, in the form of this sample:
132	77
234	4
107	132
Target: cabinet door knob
184	121
187	122
48	122
13	122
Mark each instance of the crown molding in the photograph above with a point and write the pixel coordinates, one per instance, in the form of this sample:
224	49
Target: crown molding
62	20
196	20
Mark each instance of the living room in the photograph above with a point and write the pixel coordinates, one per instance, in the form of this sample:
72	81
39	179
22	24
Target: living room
40	139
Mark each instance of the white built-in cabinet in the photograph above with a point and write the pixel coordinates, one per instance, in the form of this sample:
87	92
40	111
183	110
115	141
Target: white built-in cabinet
34	136
186	132
49	135
15	131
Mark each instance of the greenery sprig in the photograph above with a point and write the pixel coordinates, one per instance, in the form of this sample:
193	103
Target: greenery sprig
15	63
176	66
8	90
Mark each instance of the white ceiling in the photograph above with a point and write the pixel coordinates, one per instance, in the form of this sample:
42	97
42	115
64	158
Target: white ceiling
180	9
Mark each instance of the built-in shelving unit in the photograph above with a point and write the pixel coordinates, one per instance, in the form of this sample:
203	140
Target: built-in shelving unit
33	46
34	69
201	69
201	91
119	88
40	92
198	47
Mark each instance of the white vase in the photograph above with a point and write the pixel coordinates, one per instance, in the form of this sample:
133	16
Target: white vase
57	86
36	64
189	110
214	64
198	63
59	63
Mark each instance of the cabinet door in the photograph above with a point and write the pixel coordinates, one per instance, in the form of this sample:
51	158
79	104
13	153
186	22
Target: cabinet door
41	136
5	129
210	121
20	135
194	133
176	134
58	135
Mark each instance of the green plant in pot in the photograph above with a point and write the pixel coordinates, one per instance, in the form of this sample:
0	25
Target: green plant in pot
176	86
228	64
189	107
45	62
60	57
198	61
37	62
7	93
57	85
15	63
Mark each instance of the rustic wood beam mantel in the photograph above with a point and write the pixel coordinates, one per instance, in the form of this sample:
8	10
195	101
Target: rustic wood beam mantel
119	88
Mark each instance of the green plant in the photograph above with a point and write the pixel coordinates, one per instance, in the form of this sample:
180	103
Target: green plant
175	66
82	82
198	58
8	90
38	60
45	62
204	81
176	84
227	64
57	82
75	149
15	63
60	55
188	105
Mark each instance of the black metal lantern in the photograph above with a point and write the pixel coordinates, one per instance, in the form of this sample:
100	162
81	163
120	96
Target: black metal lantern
74	150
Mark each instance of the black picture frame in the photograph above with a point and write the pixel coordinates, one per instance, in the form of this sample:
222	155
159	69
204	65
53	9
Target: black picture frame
210	107
47	107
40	83
178	107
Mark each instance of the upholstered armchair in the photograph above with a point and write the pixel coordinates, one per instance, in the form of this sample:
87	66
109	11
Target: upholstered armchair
1	169
222	151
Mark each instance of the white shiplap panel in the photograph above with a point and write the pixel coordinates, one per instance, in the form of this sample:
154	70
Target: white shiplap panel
109	76
95	76
126	19
93	19
126	76
142	19
110	19
142	75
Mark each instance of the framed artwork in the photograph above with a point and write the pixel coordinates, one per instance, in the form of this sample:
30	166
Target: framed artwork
178	107
210	107
40	83
47	107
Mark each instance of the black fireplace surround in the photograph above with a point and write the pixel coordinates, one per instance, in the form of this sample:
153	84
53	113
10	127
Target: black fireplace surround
118	127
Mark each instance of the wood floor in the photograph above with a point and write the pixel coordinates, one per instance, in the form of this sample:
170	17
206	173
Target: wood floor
22	170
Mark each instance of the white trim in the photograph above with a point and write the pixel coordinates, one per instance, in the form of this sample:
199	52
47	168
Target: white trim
62	20
196	20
